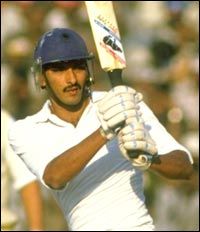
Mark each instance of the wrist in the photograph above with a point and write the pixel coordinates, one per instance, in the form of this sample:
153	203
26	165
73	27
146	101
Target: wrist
103	134
107	136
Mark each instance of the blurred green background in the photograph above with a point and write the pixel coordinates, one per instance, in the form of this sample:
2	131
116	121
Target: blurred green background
161	43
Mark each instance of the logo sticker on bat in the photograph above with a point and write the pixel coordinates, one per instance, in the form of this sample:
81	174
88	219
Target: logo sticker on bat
110	41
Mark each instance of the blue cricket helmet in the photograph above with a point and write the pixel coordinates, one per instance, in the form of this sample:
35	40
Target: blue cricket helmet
60	44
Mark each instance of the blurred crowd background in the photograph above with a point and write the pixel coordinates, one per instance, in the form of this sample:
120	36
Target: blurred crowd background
161	43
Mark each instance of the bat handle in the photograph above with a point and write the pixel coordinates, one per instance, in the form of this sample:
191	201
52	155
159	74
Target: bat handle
115	77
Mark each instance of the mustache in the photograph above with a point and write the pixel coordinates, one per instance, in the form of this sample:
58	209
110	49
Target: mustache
71	87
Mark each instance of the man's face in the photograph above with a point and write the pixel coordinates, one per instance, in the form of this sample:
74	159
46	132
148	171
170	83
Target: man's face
65	81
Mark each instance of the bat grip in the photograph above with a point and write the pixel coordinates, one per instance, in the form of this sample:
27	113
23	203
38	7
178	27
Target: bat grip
115	77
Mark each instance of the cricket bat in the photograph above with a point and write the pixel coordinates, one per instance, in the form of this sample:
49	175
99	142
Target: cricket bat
107	39
108	43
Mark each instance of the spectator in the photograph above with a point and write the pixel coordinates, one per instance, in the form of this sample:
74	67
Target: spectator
15	176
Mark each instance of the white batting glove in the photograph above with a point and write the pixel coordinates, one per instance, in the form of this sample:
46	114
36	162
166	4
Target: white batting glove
136	144
119	104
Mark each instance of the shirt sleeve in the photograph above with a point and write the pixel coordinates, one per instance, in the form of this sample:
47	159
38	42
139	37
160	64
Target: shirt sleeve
164	140
30	152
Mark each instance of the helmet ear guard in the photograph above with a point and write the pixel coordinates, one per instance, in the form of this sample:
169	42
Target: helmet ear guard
90	67
36	71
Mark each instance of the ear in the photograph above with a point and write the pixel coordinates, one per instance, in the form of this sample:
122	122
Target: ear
42	81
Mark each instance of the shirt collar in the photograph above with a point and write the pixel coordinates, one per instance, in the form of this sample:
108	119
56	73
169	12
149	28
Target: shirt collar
45	115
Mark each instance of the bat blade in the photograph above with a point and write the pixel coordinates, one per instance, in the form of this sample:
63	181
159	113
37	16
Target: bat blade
107	39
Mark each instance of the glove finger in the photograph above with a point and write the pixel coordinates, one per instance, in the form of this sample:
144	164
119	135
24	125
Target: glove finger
132	127
133	145
128	106
140	145
136	135
111	95
139	135
123	151
117	120
119	90
121	118
137	118
109	102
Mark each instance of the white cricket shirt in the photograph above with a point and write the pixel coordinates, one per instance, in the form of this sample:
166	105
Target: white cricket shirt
108	193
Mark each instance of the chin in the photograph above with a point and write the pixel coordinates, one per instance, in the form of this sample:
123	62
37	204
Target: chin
73	102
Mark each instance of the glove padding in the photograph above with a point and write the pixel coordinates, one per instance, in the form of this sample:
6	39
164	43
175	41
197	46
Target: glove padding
117	106
136	144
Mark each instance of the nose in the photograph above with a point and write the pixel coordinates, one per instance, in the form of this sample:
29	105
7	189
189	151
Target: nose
70	76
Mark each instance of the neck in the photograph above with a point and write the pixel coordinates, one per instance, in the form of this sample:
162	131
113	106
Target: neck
68	113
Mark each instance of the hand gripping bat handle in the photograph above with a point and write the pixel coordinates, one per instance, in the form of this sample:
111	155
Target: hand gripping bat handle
115	77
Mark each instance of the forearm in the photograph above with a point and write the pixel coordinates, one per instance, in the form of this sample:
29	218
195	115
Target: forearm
32	201
174	165
64	167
